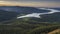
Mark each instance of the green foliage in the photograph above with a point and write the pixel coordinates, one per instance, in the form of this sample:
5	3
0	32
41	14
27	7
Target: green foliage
27	28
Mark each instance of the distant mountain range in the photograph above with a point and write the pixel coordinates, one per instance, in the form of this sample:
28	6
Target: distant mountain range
8	13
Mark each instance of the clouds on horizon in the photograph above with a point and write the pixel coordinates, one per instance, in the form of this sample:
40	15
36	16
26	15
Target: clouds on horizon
29	3
30	0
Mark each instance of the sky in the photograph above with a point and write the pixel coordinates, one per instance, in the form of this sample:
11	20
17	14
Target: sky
31	3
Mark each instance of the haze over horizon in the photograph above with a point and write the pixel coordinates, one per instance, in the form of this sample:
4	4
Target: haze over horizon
31	3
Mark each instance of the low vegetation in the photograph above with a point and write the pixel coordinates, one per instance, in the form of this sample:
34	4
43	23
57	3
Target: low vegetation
24	27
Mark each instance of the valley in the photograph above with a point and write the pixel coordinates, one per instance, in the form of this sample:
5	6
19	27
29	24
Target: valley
47	24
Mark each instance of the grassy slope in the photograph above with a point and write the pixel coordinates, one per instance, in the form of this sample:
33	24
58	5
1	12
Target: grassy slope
24	27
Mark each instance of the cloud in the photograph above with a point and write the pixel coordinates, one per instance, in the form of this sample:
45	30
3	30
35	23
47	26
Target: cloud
32	4
30	0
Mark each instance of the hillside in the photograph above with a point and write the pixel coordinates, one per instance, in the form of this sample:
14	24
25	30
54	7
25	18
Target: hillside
6	16
28	28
